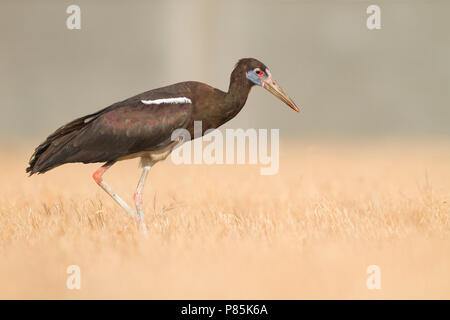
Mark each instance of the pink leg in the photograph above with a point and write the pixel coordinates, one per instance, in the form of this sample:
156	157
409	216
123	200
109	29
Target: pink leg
145	167
98	177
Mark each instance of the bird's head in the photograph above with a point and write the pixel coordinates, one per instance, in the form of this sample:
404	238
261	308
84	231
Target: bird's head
258	74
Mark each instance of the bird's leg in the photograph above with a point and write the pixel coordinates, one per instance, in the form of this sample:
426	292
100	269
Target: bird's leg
145	168
98	177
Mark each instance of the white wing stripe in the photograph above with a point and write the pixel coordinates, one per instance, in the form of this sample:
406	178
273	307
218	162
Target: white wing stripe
168	100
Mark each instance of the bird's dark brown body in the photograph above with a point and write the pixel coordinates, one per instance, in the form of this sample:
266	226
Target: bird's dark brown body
130	127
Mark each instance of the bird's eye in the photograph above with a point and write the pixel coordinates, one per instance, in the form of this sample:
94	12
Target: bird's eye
259	72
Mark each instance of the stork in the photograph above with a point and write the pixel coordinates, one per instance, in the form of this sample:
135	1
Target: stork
141	126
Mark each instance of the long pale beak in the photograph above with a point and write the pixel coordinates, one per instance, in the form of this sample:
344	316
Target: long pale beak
276	90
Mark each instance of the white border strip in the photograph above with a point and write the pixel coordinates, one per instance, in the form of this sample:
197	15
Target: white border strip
168	100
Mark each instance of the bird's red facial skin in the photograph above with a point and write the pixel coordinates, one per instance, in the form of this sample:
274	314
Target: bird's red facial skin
259	73
268	79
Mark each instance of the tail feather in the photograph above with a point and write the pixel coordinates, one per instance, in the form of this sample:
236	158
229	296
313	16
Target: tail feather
48	154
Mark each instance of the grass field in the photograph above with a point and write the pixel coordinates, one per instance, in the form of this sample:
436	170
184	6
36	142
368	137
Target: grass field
225	231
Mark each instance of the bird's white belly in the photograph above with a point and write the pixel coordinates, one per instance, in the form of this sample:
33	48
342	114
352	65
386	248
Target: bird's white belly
154	155
158	155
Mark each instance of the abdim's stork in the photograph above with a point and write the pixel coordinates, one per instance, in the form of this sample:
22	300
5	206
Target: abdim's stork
141	126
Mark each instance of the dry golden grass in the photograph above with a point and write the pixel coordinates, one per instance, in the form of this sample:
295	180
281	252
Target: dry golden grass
227	232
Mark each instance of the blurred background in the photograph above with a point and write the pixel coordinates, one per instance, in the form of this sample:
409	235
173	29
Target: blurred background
351	82
226	232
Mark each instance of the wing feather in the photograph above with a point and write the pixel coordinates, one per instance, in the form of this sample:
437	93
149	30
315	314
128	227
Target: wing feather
122	129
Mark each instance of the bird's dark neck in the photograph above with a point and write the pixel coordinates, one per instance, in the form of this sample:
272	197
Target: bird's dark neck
237	94
215	107
239	88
